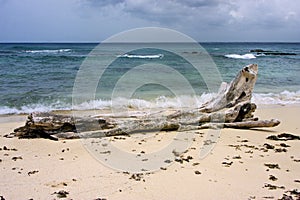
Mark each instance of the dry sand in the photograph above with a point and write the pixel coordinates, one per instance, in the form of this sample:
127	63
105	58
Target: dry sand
235	169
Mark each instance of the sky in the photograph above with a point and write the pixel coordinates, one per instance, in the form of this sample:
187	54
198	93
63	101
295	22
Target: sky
97	20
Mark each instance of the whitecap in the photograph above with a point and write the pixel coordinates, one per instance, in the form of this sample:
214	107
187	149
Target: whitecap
48	51
154	56
237	56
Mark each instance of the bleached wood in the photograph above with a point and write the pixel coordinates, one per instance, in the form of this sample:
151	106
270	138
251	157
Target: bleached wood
231	108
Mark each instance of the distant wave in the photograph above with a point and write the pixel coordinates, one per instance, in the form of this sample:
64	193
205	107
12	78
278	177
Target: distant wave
48	51
237	56
142	56
162	102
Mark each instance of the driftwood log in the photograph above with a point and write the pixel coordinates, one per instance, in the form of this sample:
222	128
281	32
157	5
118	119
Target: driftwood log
230	108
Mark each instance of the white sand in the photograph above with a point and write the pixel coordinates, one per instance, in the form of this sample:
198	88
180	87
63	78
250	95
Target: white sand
49	166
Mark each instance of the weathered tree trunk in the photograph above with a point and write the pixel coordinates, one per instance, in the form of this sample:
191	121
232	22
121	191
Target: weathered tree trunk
239	90
231	108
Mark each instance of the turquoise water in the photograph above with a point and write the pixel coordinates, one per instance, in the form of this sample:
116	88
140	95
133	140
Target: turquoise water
40	77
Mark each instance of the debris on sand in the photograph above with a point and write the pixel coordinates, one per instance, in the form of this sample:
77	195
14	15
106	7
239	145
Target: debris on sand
283	137
227	164
273	187
273	178
61	194
272	166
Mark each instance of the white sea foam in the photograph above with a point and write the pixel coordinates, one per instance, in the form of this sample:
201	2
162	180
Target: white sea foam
48	51
162	102
32	108
238	56
142	56
285	97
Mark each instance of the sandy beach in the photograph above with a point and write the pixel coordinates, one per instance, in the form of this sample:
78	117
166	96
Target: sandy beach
243	165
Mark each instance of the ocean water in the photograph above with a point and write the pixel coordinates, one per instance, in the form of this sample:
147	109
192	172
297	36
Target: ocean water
41	76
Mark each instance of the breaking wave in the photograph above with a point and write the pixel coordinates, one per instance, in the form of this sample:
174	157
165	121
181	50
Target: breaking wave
4	110
237	56
285	97
162	102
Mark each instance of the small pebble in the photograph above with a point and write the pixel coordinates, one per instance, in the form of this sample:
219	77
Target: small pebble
16	158
167	161
197	172
273	178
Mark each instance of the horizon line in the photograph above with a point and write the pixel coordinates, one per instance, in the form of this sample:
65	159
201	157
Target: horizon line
98	42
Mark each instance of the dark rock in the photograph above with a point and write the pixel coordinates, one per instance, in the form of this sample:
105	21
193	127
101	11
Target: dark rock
273	53
256	50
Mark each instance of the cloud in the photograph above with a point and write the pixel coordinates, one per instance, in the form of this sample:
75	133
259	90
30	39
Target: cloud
209	12
212	20
166	12
266	15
